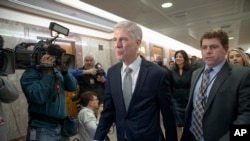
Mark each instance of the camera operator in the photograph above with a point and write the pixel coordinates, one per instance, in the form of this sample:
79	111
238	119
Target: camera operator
8	93
90	78
44	90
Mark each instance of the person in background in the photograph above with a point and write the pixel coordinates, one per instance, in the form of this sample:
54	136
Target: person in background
136	92
215	105
248	57
237	57
198	64
87	119
44	90
90	78
180	80
240	49
246	53
171	65
159	61
8	94
193	59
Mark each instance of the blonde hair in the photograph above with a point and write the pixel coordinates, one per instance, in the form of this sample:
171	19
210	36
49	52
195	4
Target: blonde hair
243	56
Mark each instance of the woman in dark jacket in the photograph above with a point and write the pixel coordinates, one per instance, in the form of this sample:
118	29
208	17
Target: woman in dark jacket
180	78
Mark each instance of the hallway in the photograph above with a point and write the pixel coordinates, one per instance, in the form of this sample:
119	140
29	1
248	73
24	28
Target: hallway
112	134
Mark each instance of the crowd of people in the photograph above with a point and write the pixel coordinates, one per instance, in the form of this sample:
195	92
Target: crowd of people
191	97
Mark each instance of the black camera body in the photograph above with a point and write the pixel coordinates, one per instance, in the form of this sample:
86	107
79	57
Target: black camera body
53	50
31	58
29	54
7	61
100	72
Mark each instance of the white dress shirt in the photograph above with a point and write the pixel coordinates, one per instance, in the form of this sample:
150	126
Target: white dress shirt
88	124
135	66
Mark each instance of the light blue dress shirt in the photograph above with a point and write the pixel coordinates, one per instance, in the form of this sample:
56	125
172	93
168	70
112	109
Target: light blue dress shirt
212	77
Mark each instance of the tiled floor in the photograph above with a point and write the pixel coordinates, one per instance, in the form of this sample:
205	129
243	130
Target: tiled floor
112	135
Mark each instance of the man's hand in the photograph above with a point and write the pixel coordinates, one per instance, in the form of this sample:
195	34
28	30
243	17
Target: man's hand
62	69
100	78
48	60
99	111
91	71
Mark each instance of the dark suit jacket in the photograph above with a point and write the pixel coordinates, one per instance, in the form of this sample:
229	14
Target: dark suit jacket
228	103
142	120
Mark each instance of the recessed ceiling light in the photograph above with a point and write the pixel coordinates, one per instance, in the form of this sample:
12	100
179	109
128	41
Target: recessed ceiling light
167	5
231	38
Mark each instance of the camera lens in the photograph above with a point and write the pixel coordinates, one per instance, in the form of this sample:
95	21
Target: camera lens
2	60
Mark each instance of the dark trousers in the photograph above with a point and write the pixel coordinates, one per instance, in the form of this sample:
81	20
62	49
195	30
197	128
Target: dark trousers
188	136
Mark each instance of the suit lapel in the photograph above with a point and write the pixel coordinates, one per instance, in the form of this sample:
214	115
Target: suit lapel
141	78
195	79
221	77
117	85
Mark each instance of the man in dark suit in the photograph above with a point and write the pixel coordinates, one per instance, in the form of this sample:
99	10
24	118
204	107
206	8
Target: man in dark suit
226	98
137	117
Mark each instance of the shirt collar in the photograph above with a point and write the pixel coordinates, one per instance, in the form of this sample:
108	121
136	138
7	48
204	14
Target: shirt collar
217	68
88	109
134	65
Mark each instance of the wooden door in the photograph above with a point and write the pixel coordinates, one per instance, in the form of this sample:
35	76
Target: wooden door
156	51
71	106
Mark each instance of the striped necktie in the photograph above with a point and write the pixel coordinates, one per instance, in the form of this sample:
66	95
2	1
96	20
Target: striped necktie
200	105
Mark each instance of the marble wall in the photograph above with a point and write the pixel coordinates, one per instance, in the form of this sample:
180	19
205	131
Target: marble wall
15	33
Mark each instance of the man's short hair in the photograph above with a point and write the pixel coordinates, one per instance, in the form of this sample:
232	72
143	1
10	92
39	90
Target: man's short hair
171	62
133	28
221	35
86	97
91	55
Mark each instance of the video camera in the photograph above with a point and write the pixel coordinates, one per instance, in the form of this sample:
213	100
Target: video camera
7	61
100	72
24	57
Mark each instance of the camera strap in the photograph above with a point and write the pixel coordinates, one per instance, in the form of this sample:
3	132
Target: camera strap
57	86
41	117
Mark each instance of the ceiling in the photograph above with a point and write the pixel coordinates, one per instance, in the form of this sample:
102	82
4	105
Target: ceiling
185	21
